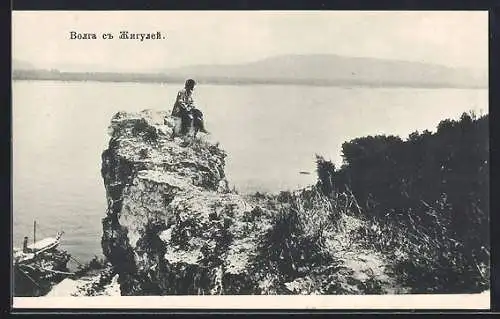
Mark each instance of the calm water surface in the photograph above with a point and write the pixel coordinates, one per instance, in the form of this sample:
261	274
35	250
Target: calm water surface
271	133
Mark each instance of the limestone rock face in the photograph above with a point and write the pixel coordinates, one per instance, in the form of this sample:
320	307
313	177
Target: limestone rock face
172	225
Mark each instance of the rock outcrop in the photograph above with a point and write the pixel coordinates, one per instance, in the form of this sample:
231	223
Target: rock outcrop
174	227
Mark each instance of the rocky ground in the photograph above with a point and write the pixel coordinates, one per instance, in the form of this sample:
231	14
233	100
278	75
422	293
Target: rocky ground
102	282
174	227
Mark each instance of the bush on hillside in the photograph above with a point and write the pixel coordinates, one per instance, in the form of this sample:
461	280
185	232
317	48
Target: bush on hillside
428	198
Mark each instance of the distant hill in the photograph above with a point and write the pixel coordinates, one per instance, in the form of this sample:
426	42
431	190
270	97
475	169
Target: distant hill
321	69
334	69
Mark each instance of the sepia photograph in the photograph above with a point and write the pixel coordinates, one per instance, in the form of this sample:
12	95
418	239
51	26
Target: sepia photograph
296	159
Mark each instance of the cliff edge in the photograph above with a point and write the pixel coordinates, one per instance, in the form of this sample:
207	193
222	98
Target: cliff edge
174	227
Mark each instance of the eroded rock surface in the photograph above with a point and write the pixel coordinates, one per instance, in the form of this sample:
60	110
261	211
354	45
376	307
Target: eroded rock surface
174	227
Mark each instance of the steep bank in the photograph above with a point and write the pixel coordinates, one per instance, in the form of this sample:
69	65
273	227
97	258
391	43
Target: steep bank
173	226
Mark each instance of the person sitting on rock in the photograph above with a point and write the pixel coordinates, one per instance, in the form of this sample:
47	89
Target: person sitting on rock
184	109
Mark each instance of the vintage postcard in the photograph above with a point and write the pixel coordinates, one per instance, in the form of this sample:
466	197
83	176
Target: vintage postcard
260	159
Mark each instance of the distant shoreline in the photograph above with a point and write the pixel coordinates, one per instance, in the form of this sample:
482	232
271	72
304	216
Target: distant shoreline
44	75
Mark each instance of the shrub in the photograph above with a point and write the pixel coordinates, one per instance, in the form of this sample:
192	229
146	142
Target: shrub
427	199
149	133
96	263
294	246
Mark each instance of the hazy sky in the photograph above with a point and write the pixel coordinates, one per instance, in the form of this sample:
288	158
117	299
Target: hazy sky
200	37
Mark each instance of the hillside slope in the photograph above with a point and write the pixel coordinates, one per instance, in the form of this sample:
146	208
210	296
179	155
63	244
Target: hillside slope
332	69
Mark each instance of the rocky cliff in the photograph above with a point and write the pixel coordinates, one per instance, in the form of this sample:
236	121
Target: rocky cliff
173	226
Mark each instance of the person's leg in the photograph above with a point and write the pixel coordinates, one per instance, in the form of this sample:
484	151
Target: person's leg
176	130
198	121
186	122
186	126
201	126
